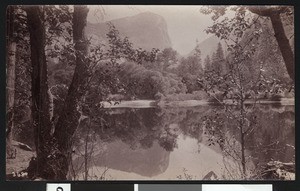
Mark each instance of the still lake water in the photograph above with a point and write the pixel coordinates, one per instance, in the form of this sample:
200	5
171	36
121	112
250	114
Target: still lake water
182	143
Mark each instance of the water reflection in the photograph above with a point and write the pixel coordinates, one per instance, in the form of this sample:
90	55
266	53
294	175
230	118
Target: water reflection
176	143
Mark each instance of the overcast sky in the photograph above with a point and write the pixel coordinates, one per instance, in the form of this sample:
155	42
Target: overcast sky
185	23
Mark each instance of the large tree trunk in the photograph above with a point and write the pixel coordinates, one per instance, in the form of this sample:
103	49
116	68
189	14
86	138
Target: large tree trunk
10	78
284	45
40	98
68	120
280	35
53	156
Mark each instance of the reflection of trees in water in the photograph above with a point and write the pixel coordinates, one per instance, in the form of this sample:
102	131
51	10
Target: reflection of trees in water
86	145
274	137
269	133
139	128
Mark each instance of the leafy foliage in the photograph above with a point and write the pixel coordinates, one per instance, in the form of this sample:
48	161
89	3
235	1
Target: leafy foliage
244	77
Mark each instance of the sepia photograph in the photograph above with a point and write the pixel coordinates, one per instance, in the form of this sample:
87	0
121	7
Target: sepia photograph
150	92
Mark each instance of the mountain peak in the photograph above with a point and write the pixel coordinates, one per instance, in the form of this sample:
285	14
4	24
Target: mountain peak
145	30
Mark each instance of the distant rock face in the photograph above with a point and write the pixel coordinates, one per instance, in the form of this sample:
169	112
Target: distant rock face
145	30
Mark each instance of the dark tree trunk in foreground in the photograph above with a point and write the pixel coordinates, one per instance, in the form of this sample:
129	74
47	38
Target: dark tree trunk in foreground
280	35
10	78
48	163
39	85
284	45
68	120
53	154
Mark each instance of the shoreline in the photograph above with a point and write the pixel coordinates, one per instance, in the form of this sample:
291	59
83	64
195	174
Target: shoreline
188	103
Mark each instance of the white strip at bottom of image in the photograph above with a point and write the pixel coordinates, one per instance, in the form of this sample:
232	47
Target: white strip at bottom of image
237	187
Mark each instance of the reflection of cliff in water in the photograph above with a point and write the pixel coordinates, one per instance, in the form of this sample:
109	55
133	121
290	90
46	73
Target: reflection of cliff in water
119	156
146	162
